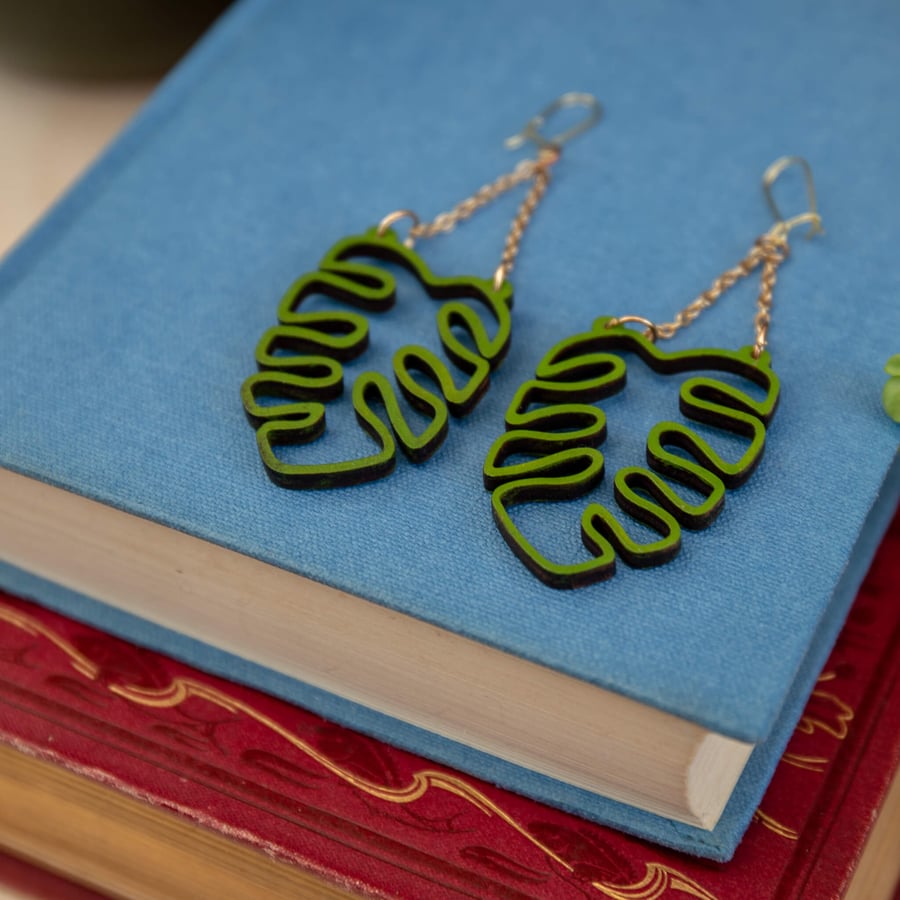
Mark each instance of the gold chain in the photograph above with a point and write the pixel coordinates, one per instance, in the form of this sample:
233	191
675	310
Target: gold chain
545	159
536	170
769	251
775	251
447	221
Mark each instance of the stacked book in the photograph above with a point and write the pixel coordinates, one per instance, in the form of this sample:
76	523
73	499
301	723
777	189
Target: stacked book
141	776
309	639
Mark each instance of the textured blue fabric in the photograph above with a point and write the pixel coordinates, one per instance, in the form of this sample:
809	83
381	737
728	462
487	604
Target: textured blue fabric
128	321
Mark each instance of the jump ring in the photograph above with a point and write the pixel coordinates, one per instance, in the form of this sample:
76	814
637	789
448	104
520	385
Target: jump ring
651	333
396	216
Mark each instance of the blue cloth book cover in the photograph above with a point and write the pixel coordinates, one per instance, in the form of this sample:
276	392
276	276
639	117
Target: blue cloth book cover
131	317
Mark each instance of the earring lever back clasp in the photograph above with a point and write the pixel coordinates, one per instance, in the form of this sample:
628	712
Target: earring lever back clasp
771	175
531	131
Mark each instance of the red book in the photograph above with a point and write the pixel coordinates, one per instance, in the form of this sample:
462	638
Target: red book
213	771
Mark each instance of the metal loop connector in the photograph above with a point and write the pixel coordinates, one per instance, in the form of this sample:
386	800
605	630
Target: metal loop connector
782	228
396	216
651	332
531	131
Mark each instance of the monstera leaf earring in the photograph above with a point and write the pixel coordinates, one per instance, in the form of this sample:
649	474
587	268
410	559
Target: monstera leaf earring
300	358
553	423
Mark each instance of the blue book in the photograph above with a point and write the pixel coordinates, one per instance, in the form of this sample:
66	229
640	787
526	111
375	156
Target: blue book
143	491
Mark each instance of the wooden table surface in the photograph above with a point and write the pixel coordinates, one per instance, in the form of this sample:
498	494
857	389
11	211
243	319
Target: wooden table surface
51	130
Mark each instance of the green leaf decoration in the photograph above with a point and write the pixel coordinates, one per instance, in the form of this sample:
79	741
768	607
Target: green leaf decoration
564	433
890	397
893	365
300	363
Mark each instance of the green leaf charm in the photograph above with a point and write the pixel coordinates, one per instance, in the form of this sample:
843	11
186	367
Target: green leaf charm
563	432
890	396
300	363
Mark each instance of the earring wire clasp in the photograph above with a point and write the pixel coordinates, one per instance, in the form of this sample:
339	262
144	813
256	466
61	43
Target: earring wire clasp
531	131
771	175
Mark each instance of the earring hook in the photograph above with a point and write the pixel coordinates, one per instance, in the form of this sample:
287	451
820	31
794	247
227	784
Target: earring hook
531	131
771	175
